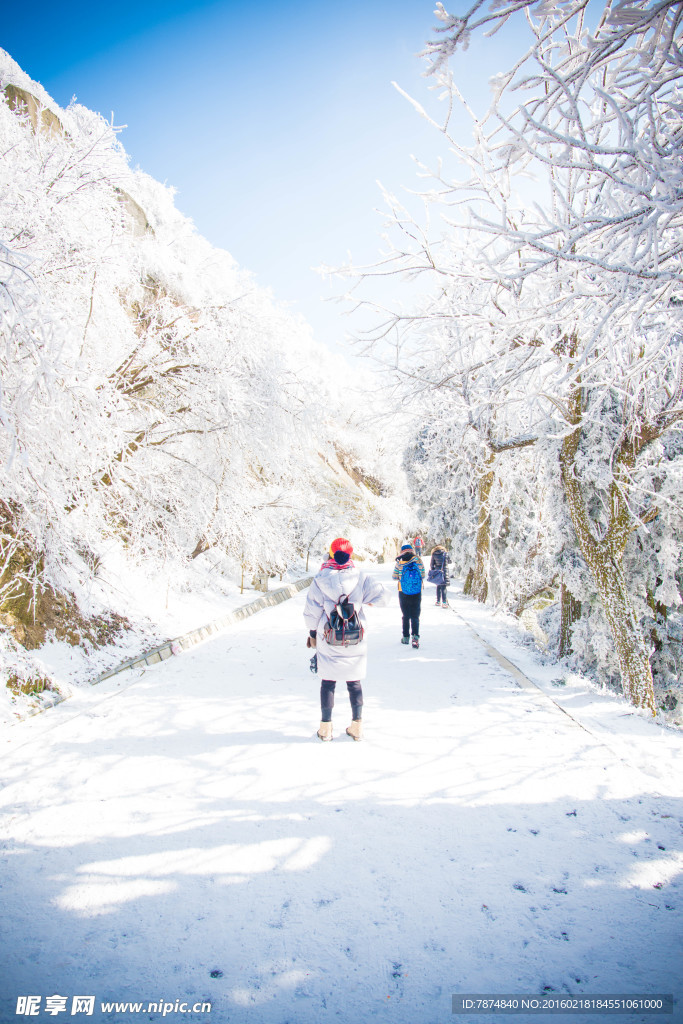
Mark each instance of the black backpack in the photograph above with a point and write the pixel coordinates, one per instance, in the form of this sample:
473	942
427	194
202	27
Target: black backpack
343	627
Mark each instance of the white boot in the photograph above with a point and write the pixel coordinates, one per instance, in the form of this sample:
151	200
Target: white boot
355	730
325	731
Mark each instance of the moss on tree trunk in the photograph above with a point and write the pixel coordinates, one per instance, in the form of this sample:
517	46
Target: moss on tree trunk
570	612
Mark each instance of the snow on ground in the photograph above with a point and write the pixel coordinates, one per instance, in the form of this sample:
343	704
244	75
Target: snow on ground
174	604
181	835
629	732
158	607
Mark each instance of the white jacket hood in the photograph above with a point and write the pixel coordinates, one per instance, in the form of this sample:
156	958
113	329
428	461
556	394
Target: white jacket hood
335	582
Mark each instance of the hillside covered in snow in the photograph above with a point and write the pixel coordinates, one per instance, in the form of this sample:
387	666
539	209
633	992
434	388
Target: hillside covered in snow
162	419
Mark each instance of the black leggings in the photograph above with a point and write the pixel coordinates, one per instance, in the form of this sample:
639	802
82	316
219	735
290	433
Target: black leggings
441	589
327	698
410	607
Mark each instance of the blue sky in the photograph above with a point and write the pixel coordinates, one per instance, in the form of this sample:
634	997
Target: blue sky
273	121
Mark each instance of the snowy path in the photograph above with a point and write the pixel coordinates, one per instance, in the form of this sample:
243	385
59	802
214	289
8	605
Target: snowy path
478	841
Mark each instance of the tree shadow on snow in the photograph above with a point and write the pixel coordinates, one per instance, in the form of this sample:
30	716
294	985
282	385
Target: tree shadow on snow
330	894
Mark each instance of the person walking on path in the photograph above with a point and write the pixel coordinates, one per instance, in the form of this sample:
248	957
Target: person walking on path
409	571
438	570
345	663
418	545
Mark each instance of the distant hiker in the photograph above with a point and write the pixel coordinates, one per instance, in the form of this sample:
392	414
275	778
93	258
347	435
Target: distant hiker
439	574
335	619
409	571
418	545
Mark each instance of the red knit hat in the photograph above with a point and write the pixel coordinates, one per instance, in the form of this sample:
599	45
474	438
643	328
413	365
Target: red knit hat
341	550
341	544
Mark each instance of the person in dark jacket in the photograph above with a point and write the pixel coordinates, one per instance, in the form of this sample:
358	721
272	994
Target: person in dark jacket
439	563
409	571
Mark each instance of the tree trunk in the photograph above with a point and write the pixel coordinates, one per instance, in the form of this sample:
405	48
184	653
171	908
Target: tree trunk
634	658
603	558
480	583
570	612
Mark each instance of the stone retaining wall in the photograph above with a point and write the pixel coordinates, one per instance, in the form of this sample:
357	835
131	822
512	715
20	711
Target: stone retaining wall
198	636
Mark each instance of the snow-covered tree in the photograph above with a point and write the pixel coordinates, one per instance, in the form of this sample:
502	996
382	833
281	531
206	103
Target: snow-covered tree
571	284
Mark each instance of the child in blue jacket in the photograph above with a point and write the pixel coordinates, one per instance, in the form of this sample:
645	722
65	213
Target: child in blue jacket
409	571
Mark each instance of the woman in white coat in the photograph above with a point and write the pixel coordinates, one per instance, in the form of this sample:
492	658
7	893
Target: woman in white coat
337	578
